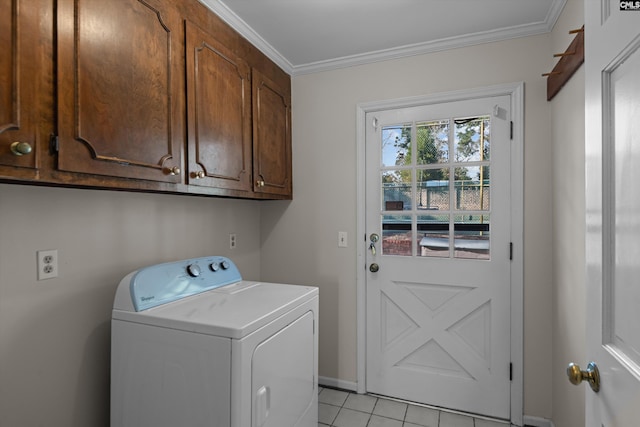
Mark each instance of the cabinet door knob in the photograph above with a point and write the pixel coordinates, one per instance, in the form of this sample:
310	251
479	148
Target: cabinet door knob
198	175
260	183
173	171
20	148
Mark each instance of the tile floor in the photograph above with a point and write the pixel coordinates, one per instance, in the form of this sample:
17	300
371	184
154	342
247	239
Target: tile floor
337	408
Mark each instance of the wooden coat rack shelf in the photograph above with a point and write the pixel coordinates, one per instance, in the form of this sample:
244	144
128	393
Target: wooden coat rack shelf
570	61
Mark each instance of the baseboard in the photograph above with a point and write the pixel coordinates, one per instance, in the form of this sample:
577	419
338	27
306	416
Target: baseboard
536	422
336	383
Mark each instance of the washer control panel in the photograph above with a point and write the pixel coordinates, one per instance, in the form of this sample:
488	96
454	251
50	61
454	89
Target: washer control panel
168	282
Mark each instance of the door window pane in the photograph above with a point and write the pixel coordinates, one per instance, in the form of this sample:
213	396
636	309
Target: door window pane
433	142
471	236
396	190
433	232
472	141
432	189
396	145
396	235
472	188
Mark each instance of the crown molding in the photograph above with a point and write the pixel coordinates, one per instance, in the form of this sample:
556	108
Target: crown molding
228	16
235	22
422	48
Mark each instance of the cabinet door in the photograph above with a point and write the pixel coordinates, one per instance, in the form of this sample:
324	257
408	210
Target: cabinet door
120	88
271	137
219	114
19	104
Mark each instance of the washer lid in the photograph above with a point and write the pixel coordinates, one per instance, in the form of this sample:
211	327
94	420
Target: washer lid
232	311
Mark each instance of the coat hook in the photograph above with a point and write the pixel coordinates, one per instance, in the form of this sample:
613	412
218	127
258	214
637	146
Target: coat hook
555	55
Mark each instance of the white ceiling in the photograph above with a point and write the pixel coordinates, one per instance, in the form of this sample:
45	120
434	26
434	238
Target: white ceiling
304	36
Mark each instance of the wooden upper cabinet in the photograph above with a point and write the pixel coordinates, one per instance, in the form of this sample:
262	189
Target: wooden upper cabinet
218	114
19	104
271	137
152	95
120	89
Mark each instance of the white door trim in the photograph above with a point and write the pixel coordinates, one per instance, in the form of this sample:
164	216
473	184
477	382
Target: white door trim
516	92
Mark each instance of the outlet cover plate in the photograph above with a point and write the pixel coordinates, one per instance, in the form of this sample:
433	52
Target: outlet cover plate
47	264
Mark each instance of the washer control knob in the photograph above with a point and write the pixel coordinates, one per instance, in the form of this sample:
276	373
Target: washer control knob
193	270
214	266
225	265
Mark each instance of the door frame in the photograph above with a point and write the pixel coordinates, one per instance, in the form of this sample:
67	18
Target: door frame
516	93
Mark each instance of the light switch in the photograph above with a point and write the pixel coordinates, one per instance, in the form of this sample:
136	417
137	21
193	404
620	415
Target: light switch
342	239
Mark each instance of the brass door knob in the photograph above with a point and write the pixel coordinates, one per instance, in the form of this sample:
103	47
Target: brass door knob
198	175
591	374
173	171
20	148
374	268
372	246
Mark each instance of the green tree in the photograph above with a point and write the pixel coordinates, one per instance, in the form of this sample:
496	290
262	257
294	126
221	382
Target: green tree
472	144
431	148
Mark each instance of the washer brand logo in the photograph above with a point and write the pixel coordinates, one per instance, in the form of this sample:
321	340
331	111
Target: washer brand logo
629	5
145	299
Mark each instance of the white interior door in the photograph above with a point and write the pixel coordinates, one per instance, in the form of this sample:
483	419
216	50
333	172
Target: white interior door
438	259
612	43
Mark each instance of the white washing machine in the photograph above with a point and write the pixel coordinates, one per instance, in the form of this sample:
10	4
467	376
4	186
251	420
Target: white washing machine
194	345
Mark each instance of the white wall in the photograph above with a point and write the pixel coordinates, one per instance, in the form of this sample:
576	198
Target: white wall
299	242
54	334
567	110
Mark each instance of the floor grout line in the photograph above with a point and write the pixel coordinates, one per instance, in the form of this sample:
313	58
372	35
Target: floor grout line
341	397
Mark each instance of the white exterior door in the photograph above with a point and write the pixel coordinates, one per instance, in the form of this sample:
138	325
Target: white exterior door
612	43
438	254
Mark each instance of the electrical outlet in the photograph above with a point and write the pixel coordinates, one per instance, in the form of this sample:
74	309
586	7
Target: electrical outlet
232	241
47	264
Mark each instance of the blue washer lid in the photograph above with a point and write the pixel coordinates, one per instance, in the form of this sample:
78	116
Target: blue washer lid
164	283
